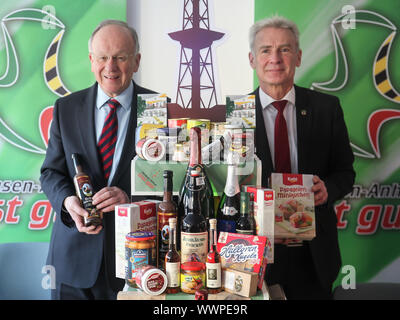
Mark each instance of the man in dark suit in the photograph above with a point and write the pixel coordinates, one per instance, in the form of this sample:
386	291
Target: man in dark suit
84	257
318	144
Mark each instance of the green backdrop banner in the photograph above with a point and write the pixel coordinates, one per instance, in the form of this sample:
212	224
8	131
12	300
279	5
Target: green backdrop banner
43	55
352	51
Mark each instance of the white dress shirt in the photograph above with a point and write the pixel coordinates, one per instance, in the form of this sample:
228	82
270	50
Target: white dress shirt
270	113
123	114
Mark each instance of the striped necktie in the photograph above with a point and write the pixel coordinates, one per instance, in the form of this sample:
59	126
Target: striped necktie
281	140
108	138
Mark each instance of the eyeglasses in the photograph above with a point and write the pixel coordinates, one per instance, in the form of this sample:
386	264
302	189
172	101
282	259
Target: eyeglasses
118	59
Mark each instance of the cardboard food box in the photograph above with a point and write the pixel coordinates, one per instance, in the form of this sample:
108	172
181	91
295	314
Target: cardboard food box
241	110
130	217
294	206
244	253
152	109
243	283
264	215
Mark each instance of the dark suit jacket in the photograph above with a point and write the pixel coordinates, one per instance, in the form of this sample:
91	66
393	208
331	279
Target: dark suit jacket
324	150
77	257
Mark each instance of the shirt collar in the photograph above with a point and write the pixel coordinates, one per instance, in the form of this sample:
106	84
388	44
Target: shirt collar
124	98
266	100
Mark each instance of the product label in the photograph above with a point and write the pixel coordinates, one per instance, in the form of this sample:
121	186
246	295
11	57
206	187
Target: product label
213	274
194	246
163	227
137	258
229	211
172	269
85	193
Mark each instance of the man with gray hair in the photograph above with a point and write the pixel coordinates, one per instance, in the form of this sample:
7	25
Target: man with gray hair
305	133
98	124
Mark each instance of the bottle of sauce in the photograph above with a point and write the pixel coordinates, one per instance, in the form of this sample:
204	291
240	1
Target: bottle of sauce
167	209
194	237
229	206
246	223
85	192
173	260
213	263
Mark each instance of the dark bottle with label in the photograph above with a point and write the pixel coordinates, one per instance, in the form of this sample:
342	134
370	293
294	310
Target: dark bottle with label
246	223
173	260
194	236
166	209
85	192
196	164
229	206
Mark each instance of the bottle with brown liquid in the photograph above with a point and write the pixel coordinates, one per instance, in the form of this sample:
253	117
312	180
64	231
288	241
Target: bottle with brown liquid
85	192
213	263
167	209
173	260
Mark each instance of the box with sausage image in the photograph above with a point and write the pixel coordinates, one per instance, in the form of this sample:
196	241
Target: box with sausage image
294	206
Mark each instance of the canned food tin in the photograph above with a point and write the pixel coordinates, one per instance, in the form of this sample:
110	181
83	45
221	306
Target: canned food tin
201	123
140	249
178	123
193	276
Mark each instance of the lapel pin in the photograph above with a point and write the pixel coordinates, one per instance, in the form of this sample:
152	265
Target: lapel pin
303	112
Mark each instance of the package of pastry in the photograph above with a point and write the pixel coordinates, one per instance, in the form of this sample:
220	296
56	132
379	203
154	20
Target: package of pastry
294	206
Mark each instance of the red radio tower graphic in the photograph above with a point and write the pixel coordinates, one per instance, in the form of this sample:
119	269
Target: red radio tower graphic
196	86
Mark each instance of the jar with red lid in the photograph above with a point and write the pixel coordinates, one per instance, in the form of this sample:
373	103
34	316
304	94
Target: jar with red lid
151	280
193	276
140	249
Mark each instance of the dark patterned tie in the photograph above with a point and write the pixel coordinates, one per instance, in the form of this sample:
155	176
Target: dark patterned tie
281	140
108	138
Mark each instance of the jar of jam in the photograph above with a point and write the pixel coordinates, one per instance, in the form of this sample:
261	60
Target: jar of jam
193	276
140	249
151	280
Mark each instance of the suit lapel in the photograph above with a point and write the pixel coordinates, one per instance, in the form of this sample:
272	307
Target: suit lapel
303	121
262	146
88	135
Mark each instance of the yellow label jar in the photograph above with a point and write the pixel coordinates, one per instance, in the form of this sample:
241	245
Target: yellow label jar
193	276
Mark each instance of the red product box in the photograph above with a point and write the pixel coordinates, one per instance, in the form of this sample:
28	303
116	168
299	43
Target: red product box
244	253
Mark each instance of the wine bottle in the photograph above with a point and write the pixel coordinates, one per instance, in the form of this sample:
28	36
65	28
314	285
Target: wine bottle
195	163
172	260
246	223
84	191
213	263
229	206
194	245
166	209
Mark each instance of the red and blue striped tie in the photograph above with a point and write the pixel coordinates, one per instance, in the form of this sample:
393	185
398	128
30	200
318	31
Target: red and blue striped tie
108	138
